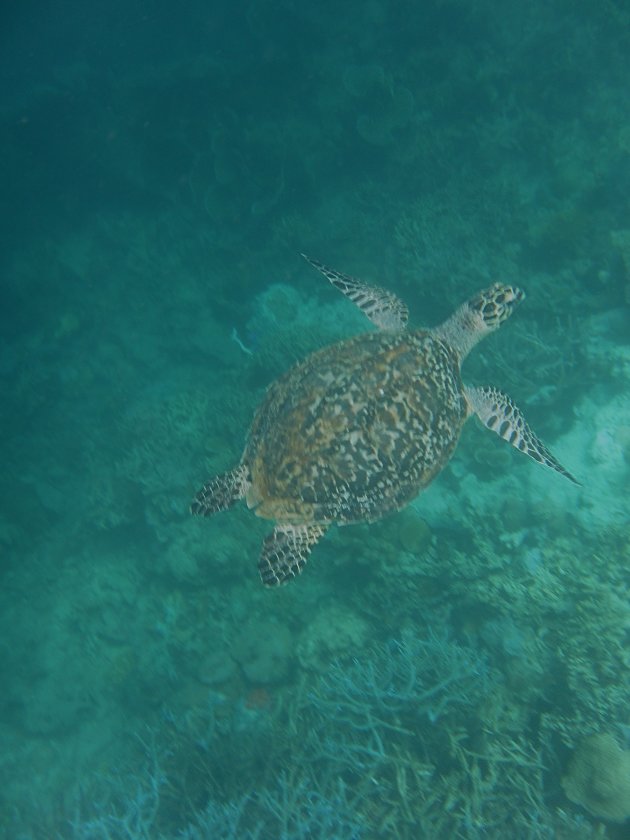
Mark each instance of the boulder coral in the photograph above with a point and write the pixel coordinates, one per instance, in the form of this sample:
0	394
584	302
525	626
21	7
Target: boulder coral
598	778
335	631
264	650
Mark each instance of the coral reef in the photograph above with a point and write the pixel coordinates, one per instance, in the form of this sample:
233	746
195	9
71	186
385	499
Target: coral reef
364	755
440	672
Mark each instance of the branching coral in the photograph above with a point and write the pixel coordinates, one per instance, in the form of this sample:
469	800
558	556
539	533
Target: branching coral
407	676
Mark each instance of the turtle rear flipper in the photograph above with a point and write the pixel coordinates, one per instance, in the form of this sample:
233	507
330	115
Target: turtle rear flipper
286	550
499	414
221	492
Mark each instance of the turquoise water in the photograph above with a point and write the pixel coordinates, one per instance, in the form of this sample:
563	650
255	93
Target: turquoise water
459	669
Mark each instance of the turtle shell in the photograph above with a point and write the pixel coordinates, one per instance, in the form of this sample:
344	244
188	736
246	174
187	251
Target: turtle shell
356	429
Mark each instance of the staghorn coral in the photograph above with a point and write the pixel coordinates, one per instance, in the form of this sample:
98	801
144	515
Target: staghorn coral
410	676
598	778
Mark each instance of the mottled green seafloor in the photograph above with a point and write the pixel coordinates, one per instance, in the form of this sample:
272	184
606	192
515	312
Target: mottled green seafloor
161	175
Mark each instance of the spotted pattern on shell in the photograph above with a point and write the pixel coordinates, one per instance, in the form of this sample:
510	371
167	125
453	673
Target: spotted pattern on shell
356	429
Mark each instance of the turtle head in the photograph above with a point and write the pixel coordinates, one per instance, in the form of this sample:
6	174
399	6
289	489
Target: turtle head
479	316
494	305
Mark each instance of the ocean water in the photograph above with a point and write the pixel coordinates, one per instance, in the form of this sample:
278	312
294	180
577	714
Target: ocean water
458	669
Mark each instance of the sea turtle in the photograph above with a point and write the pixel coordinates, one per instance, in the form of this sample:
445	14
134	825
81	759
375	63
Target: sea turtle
357	429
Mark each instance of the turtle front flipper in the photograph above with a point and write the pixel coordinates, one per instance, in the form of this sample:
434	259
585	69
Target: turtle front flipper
384	309
286	550
221	492
499	414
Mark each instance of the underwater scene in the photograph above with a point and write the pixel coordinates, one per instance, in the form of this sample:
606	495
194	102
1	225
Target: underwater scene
403	626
